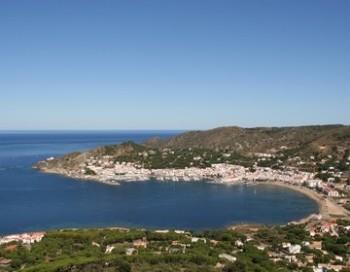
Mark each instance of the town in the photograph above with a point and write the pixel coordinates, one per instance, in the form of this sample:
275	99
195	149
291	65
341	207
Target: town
324	179
318	243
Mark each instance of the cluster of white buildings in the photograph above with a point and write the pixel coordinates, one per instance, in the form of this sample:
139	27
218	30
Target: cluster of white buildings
317	184
111	172
24	238
108	171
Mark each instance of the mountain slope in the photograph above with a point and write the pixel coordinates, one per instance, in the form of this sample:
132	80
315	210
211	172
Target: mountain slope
308	139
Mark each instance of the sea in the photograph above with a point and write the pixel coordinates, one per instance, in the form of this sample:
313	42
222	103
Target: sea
35	201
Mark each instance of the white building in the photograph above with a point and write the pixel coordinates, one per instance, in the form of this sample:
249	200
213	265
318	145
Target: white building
294	249
228	257
197	239
109	249
130	251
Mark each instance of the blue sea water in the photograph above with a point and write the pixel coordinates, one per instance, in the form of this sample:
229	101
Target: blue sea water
30	200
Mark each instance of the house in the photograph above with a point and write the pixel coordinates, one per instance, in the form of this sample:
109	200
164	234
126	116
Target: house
294	249
305	243
311	183
277	259
329	227
318	269
197	239
239	243
130	251
347	228
140	243
109	249
339	258
219	265
174	250
228	257
214	242
161	231
309	258
316	245
335	267
333	193
261	247
312	232
177	248
95	244
286	245
291	259
327	267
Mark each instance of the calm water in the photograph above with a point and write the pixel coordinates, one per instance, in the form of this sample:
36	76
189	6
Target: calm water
30	200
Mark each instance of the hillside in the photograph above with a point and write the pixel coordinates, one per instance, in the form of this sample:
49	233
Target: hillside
311	149
124	151
329	139
244	248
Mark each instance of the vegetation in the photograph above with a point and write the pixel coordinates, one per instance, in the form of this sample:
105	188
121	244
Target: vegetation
181	158
299	141
89	172
85	251
313	149
107	250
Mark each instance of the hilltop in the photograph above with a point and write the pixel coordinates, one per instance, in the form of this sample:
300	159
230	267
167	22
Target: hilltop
304	140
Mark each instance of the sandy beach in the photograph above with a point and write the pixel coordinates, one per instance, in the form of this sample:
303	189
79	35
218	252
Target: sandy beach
327	208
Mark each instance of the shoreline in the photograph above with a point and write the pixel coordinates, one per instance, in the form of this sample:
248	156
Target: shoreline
319	199
327	209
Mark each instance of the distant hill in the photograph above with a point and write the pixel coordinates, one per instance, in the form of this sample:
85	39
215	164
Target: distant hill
307	139
234	145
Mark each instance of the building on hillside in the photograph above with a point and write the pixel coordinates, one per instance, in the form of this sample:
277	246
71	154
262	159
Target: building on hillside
140	243
197	239
228	257
130	251
25	238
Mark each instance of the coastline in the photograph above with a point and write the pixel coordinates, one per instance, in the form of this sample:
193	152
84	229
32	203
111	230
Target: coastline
327	208
328	211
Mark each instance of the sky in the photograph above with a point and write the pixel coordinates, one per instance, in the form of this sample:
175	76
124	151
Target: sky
184	64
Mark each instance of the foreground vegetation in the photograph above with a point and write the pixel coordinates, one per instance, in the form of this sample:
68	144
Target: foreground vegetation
246	249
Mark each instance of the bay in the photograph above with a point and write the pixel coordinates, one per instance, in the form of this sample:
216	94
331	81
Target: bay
31	201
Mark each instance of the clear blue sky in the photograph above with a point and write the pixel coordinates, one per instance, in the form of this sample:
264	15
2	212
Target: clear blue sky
181	64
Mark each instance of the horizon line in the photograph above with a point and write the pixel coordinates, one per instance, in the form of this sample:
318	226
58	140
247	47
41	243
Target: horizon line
161	129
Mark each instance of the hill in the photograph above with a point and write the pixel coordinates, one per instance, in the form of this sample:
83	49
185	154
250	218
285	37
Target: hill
305	140
311	149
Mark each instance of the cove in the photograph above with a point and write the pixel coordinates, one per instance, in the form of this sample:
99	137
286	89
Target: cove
30	200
